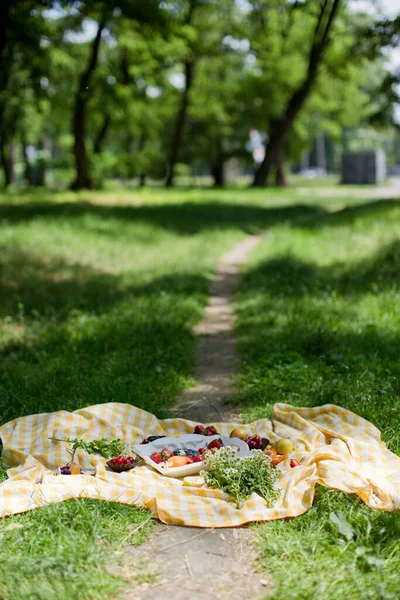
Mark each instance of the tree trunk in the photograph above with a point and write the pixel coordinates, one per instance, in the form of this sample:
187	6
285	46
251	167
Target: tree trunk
275	143
83	179
281	127
217	167
7	162
28	167
321	152
126	79
101	136
5	23
281	174
177	137
218	174
142	144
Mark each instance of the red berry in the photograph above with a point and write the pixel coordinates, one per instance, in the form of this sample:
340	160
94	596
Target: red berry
188	460
201	450
294	463
199	429
198	458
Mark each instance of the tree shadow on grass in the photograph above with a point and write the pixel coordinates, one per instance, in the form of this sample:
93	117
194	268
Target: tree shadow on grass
349	214
143	364
52	287
181	218
304	340
288	276
89	338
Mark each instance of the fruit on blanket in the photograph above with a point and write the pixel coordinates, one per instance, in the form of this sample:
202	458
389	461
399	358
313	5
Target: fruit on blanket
217	444
191	453
152	438
65	470
210	430
254	442
284	446
294	463
156	457
239	432
179	461
121	463
166	454
202	430
271	452
278	459
75	468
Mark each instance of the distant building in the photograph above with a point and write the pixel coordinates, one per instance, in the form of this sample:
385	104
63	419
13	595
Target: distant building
363	168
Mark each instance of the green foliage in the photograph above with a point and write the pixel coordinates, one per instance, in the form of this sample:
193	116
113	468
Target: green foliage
248	60
104	447
240	477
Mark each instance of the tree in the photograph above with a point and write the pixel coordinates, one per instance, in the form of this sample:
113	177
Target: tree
188	72
108	12
22	26
280	127
83	178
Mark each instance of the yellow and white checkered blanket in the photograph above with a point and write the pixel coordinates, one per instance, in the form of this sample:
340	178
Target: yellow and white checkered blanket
337	449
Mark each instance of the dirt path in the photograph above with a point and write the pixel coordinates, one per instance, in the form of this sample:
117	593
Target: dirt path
204	564
216	360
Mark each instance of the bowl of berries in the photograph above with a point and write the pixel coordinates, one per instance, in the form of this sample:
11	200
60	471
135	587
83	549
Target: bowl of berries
121	463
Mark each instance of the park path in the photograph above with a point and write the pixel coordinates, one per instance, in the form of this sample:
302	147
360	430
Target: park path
192	563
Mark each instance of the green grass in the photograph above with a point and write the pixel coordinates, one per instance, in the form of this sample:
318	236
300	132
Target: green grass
69	550
319	323
98	294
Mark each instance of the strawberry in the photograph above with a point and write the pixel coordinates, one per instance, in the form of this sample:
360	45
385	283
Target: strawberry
199	429
294	463
188	460
198	458
157	458
166	454
215	444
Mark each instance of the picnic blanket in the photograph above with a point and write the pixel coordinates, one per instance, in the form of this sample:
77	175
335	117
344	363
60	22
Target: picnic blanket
336	448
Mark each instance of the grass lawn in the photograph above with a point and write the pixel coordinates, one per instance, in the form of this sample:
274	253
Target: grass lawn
98	293
319	323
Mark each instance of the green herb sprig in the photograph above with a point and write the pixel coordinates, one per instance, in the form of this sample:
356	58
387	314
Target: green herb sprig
239	477
105	447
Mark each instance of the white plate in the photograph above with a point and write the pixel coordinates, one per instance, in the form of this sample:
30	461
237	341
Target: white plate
189	441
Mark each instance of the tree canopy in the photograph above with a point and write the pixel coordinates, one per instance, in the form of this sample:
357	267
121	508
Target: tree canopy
126	88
